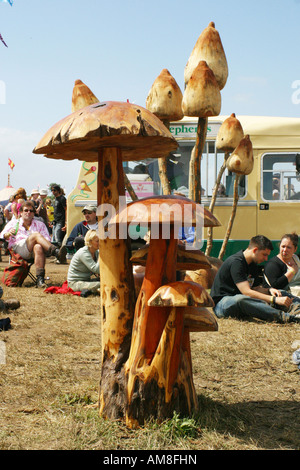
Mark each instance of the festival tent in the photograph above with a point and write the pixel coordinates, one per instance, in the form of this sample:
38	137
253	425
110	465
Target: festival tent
5	194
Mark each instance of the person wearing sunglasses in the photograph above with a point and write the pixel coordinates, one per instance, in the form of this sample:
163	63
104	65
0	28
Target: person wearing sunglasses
30	238
79	231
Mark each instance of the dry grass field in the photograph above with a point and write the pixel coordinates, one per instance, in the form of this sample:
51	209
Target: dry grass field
248	387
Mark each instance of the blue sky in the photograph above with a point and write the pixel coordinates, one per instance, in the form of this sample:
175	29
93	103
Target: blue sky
118	49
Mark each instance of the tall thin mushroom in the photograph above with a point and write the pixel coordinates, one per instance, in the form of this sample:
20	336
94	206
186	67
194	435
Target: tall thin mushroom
229	136
111	132
209	49
164	100
240	162
201	98
83	96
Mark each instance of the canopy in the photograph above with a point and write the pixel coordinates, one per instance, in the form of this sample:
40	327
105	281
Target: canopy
5	194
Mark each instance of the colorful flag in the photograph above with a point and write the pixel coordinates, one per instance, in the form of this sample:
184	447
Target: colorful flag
11	163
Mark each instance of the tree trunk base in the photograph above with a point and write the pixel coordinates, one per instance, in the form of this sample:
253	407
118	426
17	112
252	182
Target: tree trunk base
113	385
149	401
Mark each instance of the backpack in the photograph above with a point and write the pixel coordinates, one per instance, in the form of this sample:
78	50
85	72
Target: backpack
16	272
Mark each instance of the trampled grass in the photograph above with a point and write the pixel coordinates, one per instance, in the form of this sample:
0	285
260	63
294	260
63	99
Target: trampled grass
248	387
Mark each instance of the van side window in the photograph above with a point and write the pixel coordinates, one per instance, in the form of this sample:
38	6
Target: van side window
178	166
280	177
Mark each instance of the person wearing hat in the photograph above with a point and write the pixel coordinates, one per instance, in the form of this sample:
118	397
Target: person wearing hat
90	222
41	210
34	197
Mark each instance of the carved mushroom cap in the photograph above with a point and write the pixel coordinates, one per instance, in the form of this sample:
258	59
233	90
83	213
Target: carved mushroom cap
186	259
82	96
202	95
135	130
209	48
181	294
241	160
199	319
165	97
230	134
165	210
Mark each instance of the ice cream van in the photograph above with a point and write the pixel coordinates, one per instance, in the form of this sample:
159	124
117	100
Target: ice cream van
268	197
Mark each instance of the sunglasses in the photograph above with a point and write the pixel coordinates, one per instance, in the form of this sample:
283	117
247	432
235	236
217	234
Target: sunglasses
28	210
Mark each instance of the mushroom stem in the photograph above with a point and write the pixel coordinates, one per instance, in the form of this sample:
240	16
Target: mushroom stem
195	161
148	326
232	217
160	269
129	187
162	170
212	204
117	285
159	366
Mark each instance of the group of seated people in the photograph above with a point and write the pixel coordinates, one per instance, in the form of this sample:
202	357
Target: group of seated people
237	290
28	236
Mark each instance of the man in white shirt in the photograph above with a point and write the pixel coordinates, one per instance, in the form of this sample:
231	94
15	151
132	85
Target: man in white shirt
30	238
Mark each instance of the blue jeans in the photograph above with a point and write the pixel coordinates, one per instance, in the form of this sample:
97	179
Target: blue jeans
243	307
58	234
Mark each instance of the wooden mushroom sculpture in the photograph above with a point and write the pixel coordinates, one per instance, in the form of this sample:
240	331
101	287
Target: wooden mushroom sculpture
185	303
201	98
209	51
209	47
165	97
82	96
192	299
239	162
203	275
229	136
164	100
158	371
110	132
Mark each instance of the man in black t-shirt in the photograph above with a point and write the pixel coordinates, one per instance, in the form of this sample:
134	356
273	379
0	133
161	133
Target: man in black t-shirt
237	293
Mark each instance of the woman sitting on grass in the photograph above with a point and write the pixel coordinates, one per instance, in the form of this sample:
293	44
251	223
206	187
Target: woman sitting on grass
84	264
282	271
